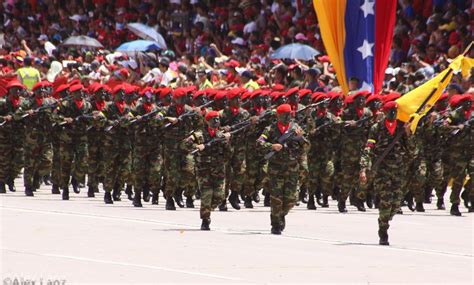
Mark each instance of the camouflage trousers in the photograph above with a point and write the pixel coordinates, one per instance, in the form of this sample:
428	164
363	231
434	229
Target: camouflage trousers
95	160
147	167
283	185
211	182
387	185
117	156
434	174
350	169
235	170
73	156
458	165
414	180
303	171
321	171
56	166
11	157
178	172
37	155
255	167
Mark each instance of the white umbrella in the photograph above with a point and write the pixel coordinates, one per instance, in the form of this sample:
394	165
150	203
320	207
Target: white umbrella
82	41
147	33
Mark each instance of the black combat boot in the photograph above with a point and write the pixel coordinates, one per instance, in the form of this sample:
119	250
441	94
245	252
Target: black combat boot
383	235
47	180
409	200
376	201
91	192
317	194
178	196
55	189
282	223
198	194
341	206
117	192
29	191
465	198
189	202
369	201
146	193
427	198
3	190
276	230
359	204
419	207
234	200
335	192
11	185
266	200
440	204
137	200
75	185
256	197
302	195
455	210
400	211
66	193
223	206
248	202
36	182
325	201
108	198
170	204
129	192
205	225
154	198
311	205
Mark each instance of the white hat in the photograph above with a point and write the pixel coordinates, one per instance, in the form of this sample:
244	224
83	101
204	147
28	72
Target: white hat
54	70
43	37
238	41
389	71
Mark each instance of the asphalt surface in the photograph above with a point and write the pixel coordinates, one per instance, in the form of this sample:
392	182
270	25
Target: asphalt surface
85	241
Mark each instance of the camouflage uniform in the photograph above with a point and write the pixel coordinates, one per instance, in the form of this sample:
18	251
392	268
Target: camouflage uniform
37	146
147	151
415	177
117	148
235	167
95	146
178	163
322	133
352	144
11	136
388	176
210	172
73	142
282	172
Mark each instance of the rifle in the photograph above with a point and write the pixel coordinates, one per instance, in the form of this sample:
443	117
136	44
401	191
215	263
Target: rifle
145	117
284	139
188	114
246	123
216	140
77	119
466	124
46	107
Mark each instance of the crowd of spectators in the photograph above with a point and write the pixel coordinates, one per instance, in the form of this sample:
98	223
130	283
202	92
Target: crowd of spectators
217	43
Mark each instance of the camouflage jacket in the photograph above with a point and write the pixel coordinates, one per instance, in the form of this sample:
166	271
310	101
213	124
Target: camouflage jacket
43	120
174	135
211	157
354	138
460	141
69	109
323	133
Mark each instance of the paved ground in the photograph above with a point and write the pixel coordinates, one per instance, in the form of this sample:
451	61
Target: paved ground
85	241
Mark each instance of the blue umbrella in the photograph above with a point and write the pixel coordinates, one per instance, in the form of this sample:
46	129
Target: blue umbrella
295	51
139	45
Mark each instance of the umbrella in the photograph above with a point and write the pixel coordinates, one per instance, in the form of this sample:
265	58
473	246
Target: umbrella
139	45
82	41
295	51
147	33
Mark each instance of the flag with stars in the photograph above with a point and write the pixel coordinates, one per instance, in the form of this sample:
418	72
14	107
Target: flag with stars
358	36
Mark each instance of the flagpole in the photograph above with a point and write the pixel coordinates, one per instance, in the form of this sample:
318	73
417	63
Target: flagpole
422	106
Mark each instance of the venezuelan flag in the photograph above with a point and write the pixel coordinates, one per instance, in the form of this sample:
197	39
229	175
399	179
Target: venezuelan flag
358	36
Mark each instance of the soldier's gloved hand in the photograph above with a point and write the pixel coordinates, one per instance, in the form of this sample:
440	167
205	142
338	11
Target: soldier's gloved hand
254	120
407	128
31	112
460	126
200	147
172	120
226	129
227	136
299	132
8	118
138	117
362	177
68	120
276	147
351	123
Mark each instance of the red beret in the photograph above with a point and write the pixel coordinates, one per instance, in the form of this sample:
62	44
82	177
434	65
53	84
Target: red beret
220	95
391	96
211	114
76	87
102	86
349	99
292	91
364	93
118	88
124	72
304	92
319	96
40	85
278	87
234	92
443	96
15	83
145	90
246	95
456	100
198	94
373	98
61	88
390	105
165	91
256	93
333	95
232	63
93	86
179	92
283	109
191	88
